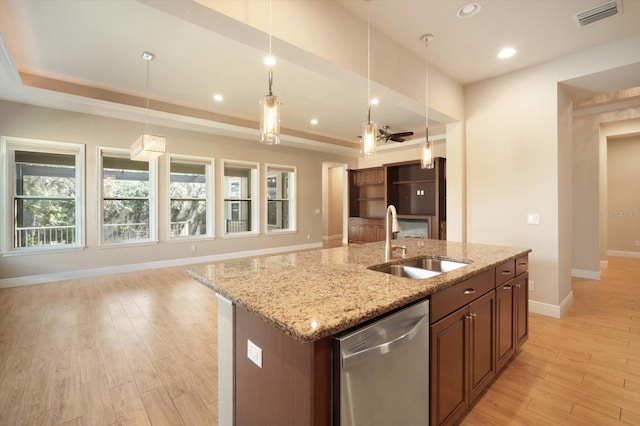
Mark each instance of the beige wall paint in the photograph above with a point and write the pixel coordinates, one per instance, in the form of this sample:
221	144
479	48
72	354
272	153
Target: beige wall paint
336	185
623	202
590	134
25	121
518	162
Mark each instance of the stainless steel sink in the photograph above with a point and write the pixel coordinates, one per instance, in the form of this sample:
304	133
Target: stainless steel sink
420	269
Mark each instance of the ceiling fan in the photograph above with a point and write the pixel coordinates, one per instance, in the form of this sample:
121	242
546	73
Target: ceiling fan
386	135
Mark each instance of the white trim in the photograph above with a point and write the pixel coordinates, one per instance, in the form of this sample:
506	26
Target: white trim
619	253
550	310
84	273
583	273
604	264
225	361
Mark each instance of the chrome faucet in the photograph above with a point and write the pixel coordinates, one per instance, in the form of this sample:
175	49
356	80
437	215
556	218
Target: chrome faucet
391	226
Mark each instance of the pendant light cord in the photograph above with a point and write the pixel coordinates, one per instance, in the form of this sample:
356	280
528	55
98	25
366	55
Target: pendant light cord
270	55
146	89
368	62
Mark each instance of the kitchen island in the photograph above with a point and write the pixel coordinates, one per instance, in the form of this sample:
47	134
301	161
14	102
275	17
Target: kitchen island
290	305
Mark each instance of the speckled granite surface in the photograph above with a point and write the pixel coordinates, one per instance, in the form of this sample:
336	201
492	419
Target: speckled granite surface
313	294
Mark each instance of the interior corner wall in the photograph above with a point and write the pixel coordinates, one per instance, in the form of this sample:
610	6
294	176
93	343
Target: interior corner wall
565	191
26	121
590	133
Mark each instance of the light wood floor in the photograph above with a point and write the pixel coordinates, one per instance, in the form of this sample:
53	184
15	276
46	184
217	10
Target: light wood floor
140	348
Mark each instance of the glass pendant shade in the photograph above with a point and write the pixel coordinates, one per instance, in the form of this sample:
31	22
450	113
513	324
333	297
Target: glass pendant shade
148	147
369	139
426	157
270	121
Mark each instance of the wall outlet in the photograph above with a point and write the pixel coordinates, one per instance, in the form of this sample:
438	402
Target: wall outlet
531	286
533	219
193	247
254	353
636	243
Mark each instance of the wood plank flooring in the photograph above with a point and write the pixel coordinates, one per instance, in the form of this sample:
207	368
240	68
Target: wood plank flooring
141	349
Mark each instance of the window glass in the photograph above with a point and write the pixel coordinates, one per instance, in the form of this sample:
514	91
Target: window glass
188	199
239	192
280	193
126	201
45	199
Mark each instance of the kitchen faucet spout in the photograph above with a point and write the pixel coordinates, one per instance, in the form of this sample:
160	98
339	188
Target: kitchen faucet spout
391	226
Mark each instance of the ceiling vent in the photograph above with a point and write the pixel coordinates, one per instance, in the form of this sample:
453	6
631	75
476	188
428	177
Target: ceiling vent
598	13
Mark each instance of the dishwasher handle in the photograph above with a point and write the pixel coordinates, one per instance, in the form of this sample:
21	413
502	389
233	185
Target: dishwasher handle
385	347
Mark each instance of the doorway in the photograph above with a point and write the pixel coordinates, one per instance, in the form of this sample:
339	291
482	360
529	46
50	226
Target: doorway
334	204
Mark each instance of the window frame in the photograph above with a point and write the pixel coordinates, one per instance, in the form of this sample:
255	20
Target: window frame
153	200
255	198
209	164
292	198
8	146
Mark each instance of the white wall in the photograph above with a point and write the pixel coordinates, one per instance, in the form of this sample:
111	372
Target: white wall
19	120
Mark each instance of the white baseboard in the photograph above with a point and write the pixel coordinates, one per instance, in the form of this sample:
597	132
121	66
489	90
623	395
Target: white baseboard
633	254
84	273
604	264
583	273
555	311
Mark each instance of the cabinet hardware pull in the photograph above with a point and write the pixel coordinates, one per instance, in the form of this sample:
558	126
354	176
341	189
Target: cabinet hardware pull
522	264
506	287
473	315
469	291
506	272
468	317
518	285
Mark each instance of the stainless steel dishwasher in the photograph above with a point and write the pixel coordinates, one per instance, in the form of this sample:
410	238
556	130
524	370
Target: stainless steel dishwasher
381	371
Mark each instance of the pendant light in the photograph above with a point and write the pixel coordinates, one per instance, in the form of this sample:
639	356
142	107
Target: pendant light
270	117
148	147
426	149
369	128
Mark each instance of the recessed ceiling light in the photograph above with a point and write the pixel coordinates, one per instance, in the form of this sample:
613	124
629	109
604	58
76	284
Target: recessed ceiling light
507	52
314	121
270	60
218	97
468	10
374	101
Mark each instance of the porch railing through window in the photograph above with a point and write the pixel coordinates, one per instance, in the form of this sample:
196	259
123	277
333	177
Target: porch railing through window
126	231
44	236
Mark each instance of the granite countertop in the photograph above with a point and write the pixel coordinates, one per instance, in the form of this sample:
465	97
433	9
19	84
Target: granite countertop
317	293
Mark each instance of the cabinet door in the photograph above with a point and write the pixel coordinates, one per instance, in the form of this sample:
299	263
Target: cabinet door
521	305
505	323
482	355
449	395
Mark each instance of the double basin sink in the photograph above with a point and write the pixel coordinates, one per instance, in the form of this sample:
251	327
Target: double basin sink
421	268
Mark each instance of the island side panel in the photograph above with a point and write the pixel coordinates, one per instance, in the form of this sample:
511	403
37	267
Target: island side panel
282	391
225	361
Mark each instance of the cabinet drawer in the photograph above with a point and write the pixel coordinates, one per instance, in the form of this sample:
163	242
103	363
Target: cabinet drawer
522	264
448	300
505	272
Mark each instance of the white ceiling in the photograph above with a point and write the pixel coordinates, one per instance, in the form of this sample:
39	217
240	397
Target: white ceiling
98	44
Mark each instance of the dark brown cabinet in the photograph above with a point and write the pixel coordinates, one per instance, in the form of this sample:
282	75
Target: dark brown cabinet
512	308
366	205
419	193
462	347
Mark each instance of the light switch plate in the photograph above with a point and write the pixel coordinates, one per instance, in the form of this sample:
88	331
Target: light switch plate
254	353
533	219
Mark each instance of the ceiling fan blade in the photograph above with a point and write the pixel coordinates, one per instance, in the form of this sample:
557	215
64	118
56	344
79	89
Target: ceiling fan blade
395	138
402	134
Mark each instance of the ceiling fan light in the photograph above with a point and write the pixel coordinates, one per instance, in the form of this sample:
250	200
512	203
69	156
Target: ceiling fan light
369	139
270	120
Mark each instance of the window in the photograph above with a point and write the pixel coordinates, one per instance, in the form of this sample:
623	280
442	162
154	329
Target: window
240	198
190	197
281	212
128	198
43	186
